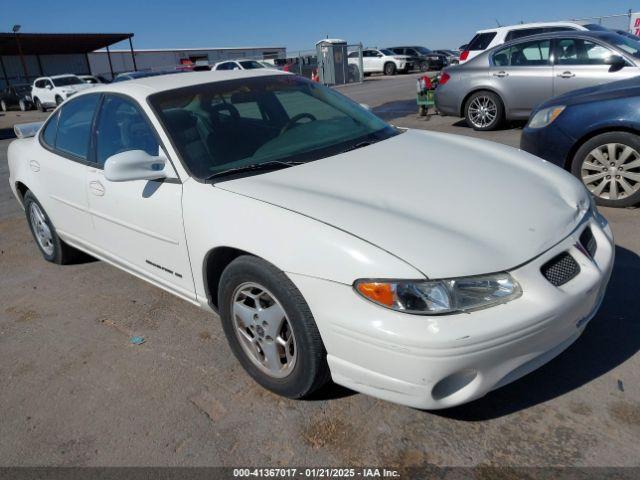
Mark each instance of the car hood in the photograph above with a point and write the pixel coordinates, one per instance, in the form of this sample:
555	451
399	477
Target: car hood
446	204
607	91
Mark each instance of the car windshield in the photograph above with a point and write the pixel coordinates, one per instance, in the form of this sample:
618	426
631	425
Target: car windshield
250	64
239	123
386	51
626	44
64	81
423	50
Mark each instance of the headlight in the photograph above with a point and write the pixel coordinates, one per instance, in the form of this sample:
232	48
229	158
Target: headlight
437	297
546	116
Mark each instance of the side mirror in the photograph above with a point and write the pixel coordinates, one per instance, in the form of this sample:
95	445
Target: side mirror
616	61
379	55
137	165
49	87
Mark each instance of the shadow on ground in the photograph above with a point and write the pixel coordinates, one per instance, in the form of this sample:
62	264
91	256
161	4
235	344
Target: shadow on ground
610	339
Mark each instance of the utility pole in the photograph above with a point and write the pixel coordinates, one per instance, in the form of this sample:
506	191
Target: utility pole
16	29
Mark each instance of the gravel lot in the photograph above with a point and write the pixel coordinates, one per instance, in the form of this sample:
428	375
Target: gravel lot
74	391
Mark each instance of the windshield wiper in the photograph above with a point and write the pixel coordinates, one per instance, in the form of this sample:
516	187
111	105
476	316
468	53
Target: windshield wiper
271	165
355	146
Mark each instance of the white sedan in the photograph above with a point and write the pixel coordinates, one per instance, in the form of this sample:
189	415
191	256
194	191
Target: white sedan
421	268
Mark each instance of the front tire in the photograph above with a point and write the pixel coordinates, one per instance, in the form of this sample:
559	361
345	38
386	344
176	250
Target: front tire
3	105
609	166
59	100
23	106
390	68
484	111
53	249
270	328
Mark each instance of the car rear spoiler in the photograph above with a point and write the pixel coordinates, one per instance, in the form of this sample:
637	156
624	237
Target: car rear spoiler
26	130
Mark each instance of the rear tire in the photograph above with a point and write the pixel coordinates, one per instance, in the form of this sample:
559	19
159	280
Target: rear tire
390	68
59	100
53	249
3	106
609	166
23	106
299	371
484	111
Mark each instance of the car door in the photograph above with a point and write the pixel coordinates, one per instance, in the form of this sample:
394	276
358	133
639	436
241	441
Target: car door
581	63
523	76
48	95
137	224
61	167
368	60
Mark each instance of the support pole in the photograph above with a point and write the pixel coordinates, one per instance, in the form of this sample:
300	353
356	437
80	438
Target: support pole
24	63
133	56
110	64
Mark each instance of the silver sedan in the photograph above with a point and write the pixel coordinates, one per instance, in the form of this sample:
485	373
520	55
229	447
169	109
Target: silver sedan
509	81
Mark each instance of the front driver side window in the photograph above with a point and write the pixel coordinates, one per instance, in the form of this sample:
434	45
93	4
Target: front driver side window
122	127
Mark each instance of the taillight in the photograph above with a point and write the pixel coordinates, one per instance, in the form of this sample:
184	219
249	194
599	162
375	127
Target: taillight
464	55
444	78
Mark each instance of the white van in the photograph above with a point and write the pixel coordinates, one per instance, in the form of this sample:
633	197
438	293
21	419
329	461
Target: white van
492	37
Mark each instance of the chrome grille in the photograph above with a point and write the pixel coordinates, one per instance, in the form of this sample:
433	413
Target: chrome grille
560	269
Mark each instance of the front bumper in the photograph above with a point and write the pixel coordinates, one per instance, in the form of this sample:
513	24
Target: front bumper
436	362
550	143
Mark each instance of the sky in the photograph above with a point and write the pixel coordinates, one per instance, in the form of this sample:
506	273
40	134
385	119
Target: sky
296	25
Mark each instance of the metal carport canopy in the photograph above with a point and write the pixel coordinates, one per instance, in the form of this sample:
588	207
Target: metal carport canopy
57	43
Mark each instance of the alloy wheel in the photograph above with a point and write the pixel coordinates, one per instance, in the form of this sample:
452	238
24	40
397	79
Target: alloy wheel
3	105
482	111
264	330
41	229
612	171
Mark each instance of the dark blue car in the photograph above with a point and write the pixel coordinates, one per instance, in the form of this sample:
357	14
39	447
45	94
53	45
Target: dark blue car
595	134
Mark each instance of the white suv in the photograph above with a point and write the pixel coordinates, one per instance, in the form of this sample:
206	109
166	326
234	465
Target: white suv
52	91
238	65
381	61
485	39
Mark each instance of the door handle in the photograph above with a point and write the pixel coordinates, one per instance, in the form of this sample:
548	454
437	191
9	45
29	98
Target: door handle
501	74
35	166
566	75
96	188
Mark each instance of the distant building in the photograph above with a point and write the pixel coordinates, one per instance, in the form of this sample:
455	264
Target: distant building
26	56
172	58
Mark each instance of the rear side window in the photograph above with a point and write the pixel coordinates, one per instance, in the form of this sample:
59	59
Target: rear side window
50	129
481	41
74	126
525	54
522	32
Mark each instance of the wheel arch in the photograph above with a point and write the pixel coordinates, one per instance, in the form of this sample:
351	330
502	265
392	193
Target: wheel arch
214	263
22	190
594	133
481	89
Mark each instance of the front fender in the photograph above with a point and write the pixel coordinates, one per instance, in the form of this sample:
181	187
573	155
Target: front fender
293	242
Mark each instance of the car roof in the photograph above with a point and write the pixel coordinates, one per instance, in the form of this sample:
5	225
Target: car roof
604	35
143	87
530	25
